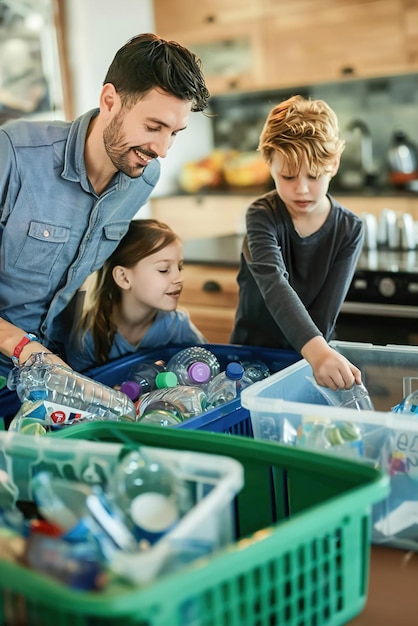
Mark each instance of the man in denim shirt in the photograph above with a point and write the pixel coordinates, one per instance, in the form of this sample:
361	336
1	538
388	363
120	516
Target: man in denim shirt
68	190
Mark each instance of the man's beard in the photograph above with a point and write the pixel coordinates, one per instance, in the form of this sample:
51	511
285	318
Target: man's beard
117	150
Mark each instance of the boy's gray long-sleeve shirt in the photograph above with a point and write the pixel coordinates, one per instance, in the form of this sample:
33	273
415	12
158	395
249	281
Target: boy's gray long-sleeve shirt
291	288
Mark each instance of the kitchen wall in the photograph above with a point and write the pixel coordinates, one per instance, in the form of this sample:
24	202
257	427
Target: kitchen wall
96	30
382	106
94	35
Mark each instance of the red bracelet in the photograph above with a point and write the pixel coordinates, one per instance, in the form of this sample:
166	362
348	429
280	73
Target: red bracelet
22	343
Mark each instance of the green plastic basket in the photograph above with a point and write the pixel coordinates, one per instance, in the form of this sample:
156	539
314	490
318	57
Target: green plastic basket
301	556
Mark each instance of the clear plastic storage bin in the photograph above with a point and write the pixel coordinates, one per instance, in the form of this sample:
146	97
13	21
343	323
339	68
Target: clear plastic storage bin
301	556
288	407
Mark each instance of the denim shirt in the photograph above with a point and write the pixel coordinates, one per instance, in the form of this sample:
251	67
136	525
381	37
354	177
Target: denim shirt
54	229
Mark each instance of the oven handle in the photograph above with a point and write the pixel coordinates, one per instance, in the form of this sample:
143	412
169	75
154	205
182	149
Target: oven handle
383	310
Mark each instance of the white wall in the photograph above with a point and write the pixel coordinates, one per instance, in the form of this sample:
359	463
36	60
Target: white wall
96	30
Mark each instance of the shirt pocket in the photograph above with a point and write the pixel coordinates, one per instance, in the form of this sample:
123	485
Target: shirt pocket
109	240
42	247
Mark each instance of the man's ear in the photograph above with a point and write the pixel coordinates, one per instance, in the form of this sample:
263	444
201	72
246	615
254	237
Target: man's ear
121	277
109	100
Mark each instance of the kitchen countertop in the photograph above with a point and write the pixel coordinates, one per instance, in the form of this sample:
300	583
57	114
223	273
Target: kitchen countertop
225	251
221	251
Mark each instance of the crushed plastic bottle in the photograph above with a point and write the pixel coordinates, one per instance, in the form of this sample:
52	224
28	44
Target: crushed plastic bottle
195	365
162	413
146	376
355	397
188	400
255	370
227	385
150	493
60	396
409	405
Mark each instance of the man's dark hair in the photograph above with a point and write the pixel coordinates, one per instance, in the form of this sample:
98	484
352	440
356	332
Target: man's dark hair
147	61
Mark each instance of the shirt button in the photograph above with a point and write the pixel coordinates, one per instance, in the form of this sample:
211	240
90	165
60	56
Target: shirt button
46	233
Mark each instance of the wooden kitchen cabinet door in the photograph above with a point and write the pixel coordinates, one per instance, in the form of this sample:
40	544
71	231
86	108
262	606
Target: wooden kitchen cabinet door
210	295
308	41
225	34
172	16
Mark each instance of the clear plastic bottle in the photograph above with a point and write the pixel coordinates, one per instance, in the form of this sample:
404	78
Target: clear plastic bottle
194	366
149	492
409	405
147	375
135	389
67	396
255	370
227	385
162	413
188	400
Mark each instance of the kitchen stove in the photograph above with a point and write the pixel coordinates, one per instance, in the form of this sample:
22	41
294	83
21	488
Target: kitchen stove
381	306
386	277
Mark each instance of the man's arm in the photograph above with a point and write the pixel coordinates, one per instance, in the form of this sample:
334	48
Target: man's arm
10	338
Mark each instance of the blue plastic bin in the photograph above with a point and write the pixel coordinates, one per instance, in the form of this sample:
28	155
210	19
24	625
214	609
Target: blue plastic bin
9	406
229	418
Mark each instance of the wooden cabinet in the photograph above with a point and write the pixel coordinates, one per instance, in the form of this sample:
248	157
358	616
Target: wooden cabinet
309	42
210	295
269	44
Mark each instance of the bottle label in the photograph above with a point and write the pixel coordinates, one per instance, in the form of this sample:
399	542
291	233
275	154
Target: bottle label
61	414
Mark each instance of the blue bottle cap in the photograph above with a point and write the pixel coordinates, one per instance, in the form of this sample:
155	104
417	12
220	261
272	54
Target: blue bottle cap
234	371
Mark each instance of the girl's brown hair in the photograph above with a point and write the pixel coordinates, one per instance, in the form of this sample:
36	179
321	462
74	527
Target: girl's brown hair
144	237
299	128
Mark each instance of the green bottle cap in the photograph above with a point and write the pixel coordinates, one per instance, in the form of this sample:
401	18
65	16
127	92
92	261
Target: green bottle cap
166	379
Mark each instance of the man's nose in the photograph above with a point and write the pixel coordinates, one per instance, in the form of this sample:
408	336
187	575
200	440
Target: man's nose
162	145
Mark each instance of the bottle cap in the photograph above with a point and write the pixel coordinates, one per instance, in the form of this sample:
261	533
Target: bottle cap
132	389
199	372
234	370
166	379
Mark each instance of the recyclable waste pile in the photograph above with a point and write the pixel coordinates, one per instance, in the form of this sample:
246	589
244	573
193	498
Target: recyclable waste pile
128	515
154	392
359	432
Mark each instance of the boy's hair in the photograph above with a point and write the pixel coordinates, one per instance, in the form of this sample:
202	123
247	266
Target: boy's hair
147	61
299	128
144	237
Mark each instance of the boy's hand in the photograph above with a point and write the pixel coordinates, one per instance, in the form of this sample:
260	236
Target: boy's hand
330	369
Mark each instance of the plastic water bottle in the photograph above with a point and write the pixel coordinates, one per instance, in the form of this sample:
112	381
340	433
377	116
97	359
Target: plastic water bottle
67	396
145	381
162	413
194	366
409	405
149	492
188	400
227	385
146	376
255	370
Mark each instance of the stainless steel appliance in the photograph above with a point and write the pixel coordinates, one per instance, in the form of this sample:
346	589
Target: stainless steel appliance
381	306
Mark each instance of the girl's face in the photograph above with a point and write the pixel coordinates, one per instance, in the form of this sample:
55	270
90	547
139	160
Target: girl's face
301	192
155	282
